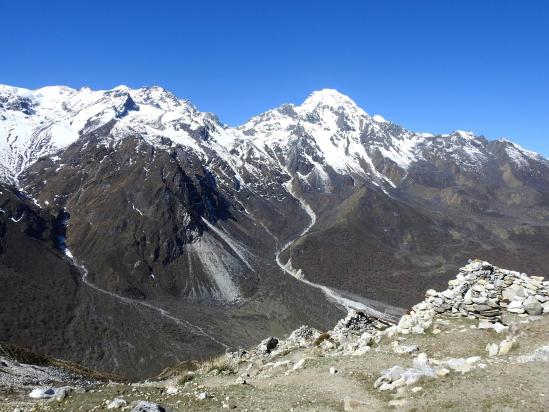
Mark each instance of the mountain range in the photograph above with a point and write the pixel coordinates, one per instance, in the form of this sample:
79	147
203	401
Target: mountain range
137	231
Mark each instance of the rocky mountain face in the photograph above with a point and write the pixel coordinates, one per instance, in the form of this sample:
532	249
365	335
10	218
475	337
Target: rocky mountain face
159	213
50	308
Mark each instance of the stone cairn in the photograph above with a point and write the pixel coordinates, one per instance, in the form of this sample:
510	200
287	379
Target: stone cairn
480	291
357	322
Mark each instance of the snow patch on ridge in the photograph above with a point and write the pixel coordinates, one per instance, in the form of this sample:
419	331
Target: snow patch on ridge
379	119
62	135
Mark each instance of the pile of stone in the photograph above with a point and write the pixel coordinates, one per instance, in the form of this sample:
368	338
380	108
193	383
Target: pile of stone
267	345
145	406
357	322
424	368
481	291
397	376
355	333
302	337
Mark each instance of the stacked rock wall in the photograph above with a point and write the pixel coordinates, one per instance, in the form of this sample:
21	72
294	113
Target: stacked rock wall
482	291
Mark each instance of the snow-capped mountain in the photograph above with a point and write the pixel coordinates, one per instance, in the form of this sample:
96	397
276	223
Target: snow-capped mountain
41	122
157	207
332	130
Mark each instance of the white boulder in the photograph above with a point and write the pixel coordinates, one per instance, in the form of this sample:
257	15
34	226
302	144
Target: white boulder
532	306
514	292
116	403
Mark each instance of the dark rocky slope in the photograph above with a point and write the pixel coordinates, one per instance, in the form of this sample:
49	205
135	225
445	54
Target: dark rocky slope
51	311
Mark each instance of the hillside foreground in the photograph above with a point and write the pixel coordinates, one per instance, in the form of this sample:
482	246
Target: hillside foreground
482	344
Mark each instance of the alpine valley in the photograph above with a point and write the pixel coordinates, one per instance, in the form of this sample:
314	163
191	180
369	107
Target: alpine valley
137	232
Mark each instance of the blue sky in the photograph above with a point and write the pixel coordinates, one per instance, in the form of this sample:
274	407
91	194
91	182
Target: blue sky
433	66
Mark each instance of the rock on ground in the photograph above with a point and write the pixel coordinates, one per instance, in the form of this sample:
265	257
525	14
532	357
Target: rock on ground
145	406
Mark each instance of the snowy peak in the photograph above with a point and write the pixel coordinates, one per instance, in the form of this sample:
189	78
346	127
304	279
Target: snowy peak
160	98
520	156
328	130
53	95
327	107
379	119
328	98
464	134
334	111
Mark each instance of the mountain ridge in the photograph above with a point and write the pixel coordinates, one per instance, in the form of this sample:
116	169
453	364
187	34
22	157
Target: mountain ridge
57	103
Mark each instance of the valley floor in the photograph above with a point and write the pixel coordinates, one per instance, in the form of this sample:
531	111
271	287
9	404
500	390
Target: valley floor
327	381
